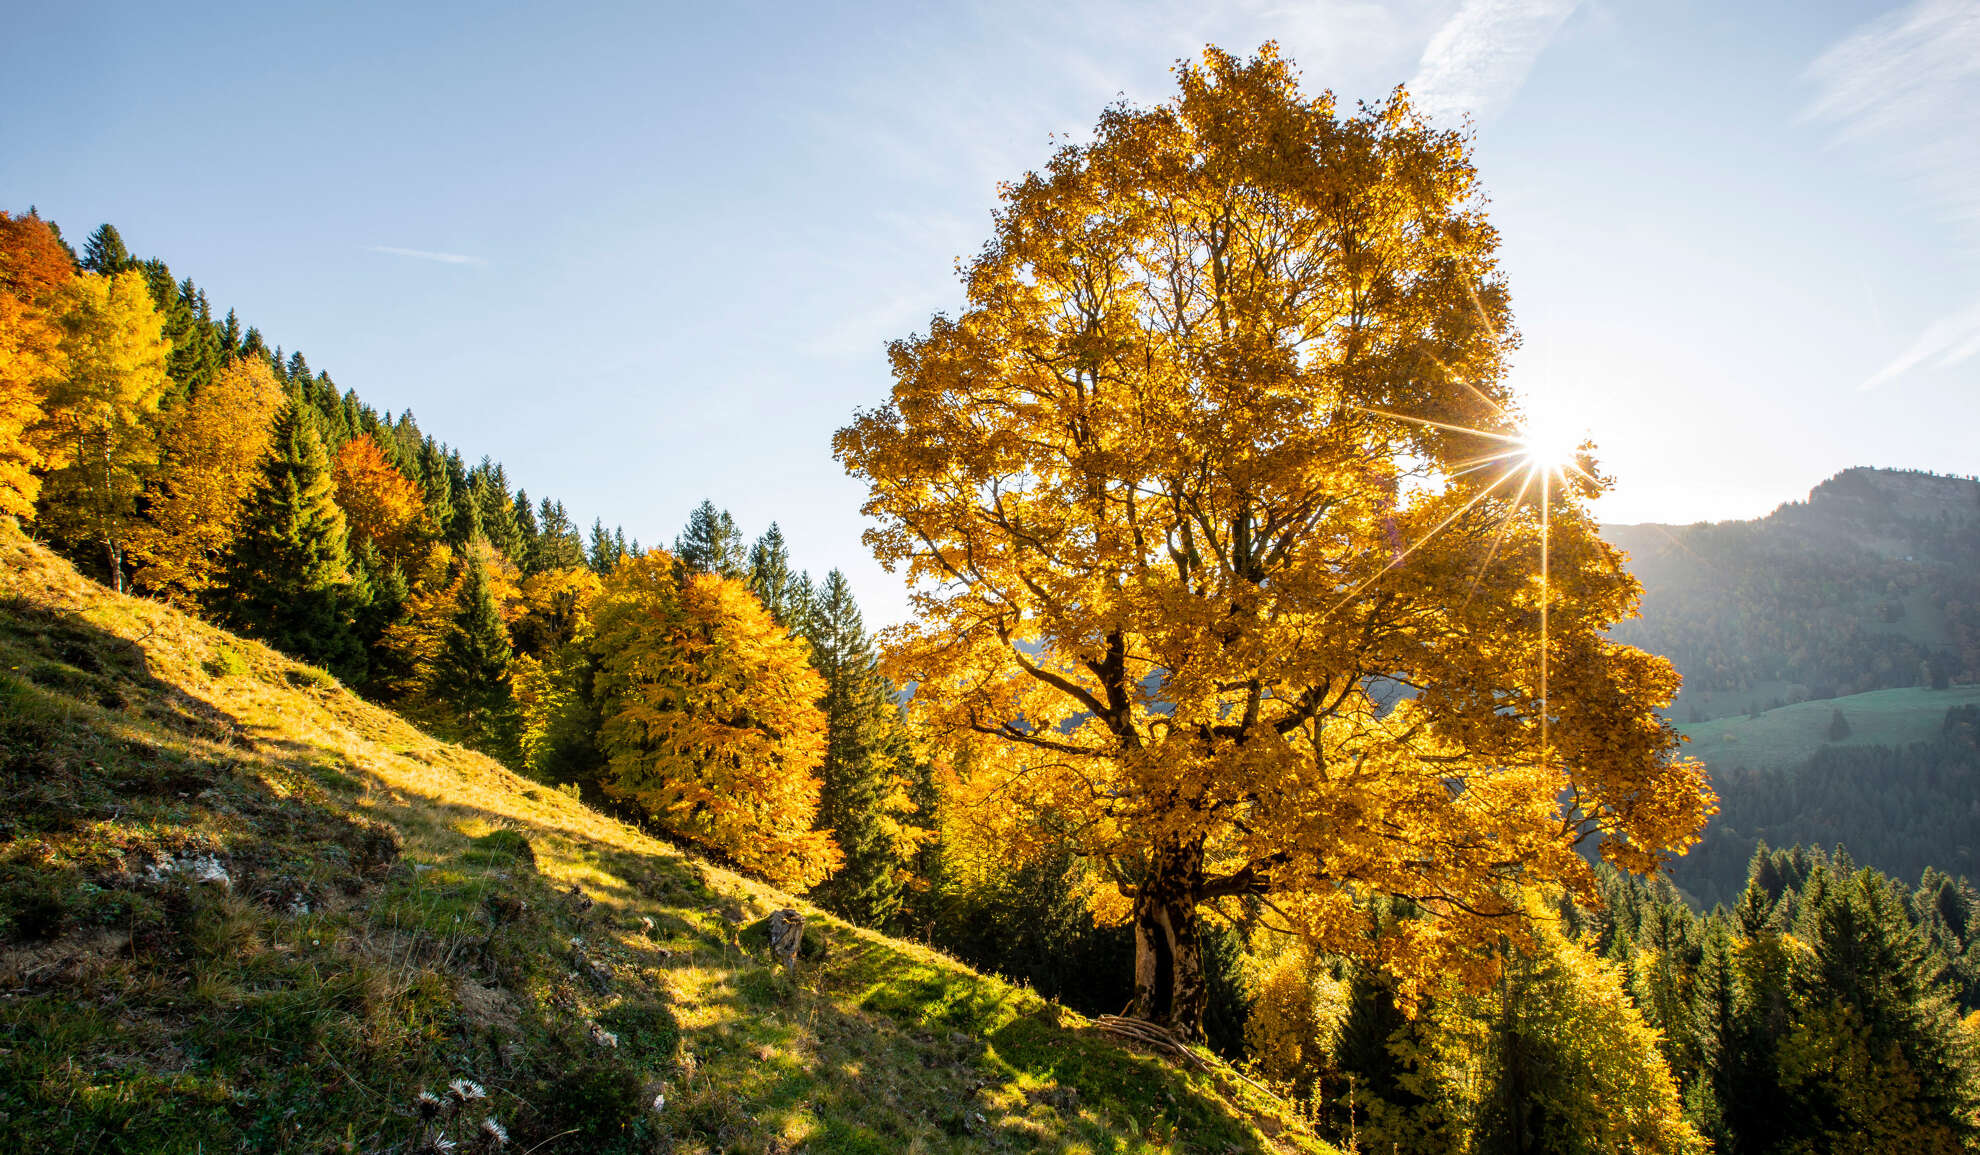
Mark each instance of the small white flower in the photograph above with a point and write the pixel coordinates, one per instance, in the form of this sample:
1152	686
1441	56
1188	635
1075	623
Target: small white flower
660	1104
466	1090
427	1104
497	1136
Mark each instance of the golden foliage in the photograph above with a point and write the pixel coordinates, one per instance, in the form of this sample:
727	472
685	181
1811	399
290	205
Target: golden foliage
409	646
33	271
711	721
553	638
1295	1012
1205	561
210	457
1553	1057
96	435
380	504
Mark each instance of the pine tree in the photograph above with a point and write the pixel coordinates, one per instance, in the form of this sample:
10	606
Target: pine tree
868	759
471	672
105	253
288	569
711	543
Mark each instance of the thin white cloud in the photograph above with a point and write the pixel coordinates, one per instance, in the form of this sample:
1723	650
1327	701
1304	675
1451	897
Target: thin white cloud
1946	342
427	255
1905	87
1482	54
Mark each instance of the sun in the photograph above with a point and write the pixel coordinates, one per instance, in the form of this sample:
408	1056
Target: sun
1551	441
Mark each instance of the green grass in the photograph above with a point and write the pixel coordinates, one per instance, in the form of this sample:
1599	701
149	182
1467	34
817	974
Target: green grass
398	913
1792	734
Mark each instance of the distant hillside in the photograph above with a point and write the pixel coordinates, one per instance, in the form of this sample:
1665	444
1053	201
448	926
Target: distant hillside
242	909
1863	602
1872	583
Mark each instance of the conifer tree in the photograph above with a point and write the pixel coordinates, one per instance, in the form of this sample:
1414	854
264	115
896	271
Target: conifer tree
288	569
494	509
527	531
471	671
558	545
711	543
771	579
605	551
104	252
1876	1059
867	758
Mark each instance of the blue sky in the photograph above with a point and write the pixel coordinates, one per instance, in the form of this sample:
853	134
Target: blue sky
644	255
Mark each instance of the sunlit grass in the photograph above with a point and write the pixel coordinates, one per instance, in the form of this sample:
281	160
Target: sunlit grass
304	1006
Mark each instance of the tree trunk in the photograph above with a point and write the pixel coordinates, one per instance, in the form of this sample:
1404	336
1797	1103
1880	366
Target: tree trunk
1169	988
116	559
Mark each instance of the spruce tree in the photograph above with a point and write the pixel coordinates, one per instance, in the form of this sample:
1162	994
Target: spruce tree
558	545
867	760
471	672
770	577
494	509
288	570
605	550
527	532
105	253
711	543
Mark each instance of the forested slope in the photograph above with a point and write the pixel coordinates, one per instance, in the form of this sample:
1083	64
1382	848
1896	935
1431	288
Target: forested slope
241	907
1872	583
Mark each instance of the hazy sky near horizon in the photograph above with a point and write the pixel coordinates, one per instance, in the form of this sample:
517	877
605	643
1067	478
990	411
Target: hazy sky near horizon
645	255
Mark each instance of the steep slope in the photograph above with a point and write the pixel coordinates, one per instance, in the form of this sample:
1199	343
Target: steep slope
240	908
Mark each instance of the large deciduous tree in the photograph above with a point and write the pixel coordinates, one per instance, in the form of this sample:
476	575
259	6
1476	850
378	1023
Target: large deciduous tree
711	719
1215	551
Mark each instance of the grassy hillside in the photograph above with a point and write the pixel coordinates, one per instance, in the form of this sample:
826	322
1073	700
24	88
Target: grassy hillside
1789	735
240	908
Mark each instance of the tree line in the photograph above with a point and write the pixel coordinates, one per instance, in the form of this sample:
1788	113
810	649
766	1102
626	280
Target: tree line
1903	809
714	690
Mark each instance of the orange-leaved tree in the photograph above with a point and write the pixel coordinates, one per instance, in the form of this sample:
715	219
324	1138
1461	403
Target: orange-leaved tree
210	457
381	505
34	268
710	717
1224	555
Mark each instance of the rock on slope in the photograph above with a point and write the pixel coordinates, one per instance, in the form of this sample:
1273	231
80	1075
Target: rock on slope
242	909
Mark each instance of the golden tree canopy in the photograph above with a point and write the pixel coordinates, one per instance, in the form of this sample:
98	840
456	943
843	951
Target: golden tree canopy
381	505
210	457
1217	552
711	718
96	434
